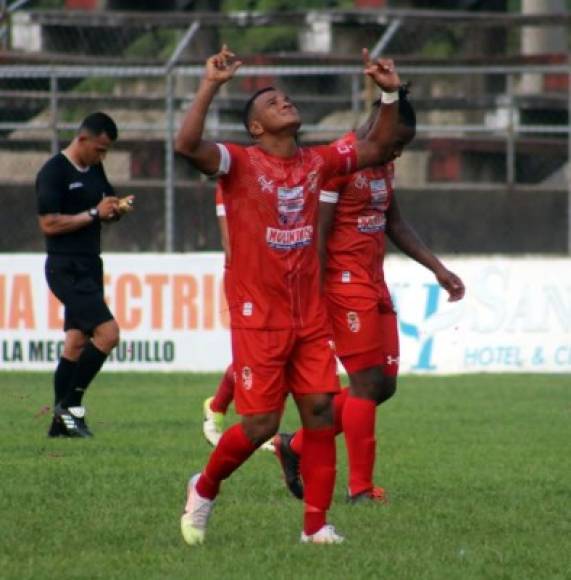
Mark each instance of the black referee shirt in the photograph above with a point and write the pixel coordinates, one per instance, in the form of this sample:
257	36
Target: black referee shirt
64	189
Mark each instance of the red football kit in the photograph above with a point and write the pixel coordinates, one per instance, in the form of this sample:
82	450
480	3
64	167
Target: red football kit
281	336
358	300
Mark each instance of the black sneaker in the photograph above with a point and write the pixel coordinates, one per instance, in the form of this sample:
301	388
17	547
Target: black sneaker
289	462
56	428
73	421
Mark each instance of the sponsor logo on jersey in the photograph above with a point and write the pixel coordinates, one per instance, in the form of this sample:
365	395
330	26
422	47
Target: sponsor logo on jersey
289	239
371	223
75	185
392	360
247	309
247	378
266	184
353	321
379	192
346	277
290	204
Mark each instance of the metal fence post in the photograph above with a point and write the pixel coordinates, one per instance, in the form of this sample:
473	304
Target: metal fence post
54	109
169	165
355	101
170	131
510	133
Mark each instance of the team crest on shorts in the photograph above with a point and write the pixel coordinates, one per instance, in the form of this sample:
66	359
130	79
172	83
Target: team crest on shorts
247	378
353	321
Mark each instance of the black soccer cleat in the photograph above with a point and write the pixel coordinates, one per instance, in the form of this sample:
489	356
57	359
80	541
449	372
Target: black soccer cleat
289	462
56	428
73	421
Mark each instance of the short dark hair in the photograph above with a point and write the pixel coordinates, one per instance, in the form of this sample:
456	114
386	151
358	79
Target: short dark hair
407	114
98	123
250	103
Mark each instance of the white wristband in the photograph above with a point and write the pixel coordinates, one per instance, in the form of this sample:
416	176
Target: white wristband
389	98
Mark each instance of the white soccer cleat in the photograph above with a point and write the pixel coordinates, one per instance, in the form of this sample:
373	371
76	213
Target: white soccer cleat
325	535
196	513
268	446
213	423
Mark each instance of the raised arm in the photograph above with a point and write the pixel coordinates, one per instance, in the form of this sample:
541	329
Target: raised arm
377	147
406	239
204	155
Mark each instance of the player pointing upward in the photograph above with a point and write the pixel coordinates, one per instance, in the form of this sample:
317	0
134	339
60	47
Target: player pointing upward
281	340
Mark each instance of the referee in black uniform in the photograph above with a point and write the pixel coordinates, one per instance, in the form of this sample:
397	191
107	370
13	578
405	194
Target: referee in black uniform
74	197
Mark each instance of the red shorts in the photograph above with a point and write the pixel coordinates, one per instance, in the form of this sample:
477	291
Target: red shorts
366	333
269	364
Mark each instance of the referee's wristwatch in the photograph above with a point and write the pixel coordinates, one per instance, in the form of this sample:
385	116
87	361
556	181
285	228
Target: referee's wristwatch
93	213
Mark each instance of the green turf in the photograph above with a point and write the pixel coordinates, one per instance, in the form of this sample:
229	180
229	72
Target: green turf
477	467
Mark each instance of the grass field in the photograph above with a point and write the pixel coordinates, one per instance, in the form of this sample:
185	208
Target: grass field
478	469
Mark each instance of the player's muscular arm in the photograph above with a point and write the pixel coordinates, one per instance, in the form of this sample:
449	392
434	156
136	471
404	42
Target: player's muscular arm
204	155
53	224
407	240
377	147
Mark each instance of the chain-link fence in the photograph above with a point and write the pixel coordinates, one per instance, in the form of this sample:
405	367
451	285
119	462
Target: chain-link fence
488	171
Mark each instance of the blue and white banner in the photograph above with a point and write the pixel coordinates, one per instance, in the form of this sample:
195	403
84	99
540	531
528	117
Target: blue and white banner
516	316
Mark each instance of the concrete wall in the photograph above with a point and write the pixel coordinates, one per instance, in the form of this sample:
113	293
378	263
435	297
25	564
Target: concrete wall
466	222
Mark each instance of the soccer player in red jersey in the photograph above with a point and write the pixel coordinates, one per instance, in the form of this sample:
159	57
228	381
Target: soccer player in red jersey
281	338
356	212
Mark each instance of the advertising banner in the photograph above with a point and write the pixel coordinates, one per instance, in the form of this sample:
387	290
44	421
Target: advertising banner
516	316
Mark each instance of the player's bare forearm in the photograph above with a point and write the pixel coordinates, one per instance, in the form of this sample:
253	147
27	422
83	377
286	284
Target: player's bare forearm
204	155
377	147
189	142
407	241
405	238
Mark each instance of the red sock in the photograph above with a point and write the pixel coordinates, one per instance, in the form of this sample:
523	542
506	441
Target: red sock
338	406
318	472
232	450
296	443
224	394
359	427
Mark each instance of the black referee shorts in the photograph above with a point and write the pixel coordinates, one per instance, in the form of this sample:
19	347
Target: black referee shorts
77	282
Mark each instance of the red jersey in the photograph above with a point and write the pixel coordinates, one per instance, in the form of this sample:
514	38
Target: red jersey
356	246
272	280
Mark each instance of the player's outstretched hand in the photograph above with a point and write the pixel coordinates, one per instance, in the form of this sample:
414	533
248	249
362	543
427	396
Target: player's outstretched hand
382	72
222	66
452	284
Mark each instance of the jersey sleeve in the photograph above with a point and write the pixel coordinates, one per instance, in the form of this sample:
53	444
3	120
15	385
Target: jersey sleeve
331	190
340	159
109	189
50	188
233	162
